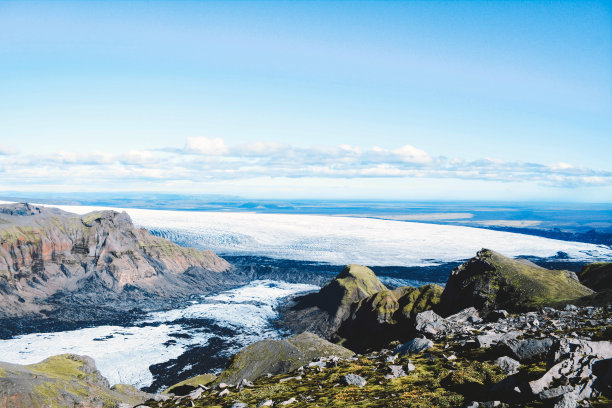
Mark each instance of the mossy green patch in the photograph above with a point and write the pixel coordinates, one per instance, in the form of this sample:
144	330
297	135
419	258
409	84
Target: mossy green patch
492	281
90	218
63	366
2	372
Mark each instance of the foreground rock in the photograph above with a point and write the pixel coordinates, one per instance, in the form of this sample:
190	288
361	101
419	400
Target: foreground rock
279	357
65	380
491	281
50	258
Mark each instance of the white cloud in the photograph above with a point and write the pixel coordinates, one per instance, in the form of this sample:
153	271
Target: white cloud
206	146
411	154
209	159
7	150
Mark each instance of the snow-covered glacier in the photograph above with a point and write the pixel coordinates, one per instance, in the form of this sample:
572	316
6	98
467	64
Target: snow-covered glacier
343	240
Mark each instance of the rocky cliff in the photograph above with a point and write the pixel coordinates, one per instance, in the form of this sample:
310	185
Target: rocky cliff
49	257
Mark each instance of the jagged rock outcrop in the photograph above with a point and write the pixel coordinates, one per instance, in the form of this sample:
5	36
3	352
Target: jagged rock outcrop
279	357
65	380
491	281
323	312
98	258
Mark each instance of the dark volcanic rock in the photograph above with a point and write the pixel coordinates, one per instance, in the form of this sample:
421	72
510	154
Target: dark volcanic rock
528	349
389	314
356	304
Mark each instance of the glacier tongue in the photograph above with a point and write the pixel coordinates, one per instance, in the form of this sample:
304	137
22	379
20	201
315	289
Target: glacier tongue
344	240
124	354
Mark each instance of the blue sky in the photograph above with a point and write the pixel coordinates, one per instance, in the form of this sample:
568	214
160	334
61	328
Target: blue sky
397	100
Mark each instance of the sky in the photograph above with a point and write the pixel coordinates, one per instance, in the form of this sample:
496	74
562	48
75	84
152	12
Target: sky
486	100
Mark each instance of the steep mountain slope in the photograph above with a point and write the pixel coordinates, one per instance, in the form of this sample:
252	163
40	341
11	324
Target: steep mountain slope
48	256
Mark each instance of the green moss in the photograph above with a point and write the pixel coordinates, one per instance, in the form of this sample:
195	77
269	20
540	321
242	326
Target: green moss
2	372
493	281
63	366
88	219
355	282
47	394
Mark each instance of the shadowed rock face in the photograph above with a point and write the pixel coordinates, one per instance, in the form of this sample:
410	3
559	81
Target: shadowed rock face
95	258
597	276
65	380
388	314
491	281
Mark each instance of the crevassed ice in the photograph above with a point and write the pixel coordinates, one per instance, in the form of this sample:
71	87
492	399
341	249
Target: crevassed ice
343	240
124	354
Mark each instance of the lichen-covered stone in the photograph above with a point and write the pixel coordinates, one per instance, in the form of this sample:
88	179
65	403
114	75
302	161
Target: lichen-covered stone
278	357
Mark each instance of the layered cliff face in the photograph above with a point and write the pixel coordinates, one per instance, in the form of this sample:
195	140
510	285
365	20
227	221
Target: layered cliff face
46	252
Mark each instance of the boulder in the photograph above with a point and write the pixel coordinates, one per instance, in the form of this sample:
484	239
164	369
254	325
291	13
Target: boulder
492	338
562	349
508	365
354	379
429	323
528	349
414	346
578	367
279	357
396	371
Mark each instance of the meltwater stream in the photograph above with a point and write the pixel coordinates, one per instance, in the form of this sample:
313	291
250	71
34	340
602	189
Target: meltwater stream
124	354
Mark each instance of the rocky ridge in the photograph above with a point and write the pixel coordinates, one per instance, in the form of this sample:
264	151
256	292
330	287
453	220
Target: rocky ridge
51	259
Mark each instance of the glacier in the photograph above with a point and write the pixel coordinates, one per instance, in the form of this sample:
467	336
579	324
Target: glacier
342	240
